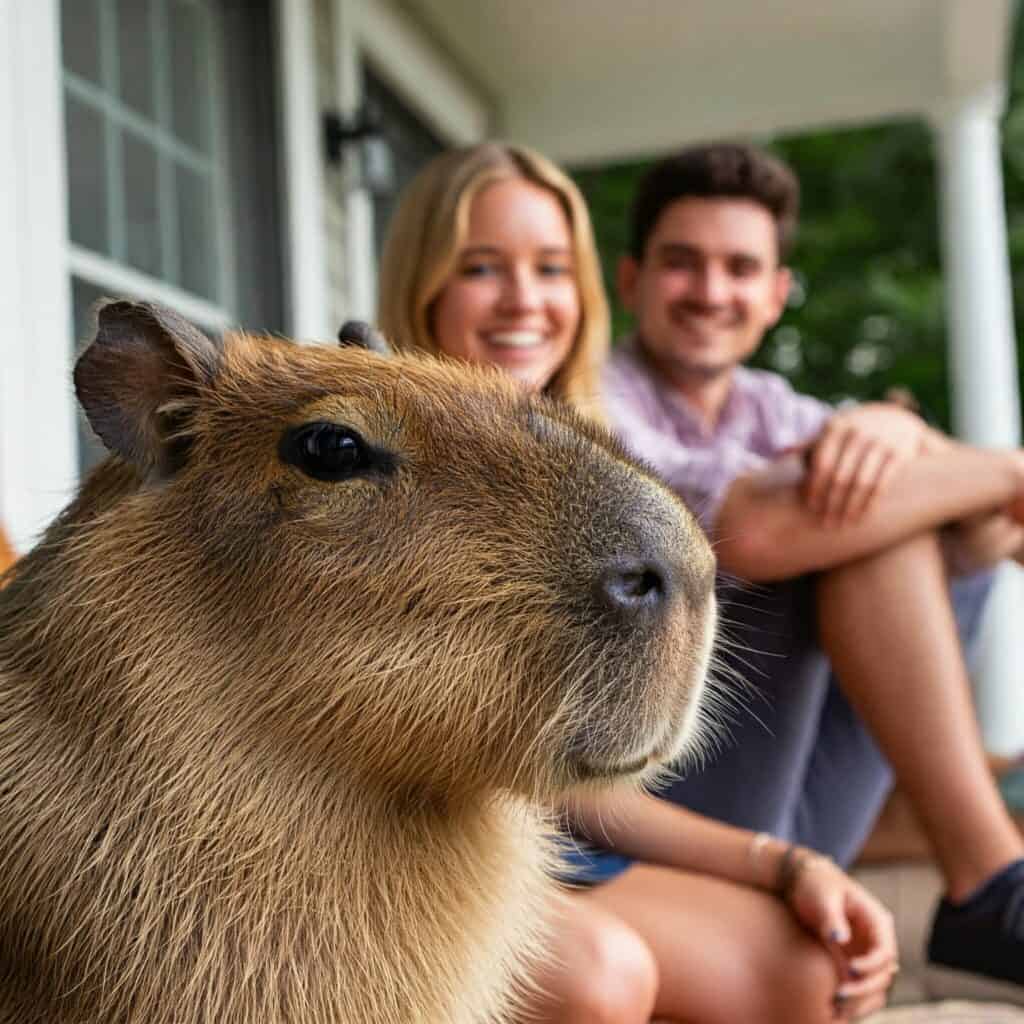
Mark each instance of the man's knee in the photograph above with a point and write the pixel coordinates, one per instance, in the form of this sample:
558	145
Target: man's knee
616	980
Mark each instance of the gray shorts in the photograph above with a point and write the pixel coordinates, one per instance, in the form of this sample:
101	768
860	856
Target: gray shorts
796	761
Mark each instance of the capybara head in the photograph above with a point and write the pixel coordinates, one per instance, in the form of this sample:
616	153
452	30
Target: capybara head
312	570
405	567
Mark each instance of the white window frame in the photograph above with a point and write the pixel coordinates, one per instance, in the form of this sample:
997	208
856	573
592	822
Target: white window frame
376	32
38	412
117	277
305	243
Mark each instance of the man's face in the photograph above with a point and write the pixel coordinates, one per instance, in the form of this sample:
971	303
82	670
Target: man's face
708	287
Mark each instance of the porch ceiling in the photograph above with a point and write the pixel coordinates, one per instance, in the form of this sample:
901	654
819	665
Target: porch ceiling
596	80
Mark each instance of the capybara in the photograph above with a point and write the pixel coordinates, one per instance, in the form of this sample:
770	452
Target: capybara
286	689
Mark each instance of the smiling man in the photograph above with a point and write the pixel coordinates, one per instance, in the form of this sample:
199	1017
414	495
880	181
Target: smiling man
852	523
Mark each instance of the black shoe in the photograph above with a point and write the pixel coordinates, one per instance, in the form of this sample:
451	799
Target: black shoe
976	948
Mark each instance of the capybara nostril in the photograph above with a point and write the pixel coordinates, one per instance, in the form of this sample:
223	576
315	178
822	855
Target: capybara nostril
634	586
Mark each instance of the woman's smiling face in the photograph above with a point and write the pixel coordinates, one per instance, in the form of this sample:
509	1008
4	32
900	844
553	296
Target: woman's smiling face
512	300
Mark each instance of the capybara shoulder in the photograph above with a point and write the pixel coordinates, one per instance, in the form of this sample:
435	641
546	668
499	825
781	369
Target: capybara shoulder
285	690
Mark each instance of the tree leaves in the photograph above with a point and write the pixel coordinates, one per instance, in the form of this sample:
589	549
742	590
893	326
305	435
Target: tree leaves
871	314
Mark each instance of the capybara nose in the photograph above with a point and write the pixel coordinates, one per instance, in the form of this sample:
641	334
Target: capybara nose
634	586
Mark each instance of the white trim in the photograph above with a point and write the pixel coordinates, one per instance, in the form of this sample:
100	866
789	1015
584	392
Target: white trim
360	256
421	73
305	234
360	269
38	439
224	252
122	280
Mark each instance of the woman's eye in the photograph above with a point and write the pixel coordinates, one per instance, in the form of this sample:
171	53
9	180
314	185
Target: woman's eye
478	269
325	451
554	269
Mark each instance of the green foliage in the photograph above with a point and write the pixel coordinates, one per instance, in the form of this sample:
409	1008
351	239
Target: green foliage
868	310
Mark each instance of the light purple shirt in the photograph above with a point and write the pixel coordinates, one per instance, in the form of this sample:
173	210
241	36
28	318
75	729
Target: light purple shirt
762	417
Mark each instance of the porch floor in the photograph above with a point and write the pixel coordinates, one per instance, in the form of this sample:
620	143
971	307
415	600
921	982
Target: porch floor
910	888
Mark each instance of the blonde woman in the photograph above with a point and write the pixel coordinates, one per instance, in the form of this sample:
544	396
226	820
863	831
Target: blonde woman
490	258
426	258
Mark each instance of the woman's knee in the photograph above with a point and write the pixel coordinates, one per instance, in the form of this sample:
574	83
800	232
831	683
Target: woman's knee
798	988
614	977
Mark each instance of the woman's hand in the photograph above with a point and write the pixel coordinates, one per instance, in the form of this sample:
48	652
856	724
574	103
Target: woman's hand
856	929
981	542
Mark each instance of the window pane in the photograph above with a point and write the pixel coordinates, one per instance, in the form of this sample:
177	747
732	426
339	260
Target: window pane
190	87
141	205
87	175
410	139
135	54
196	233
80	37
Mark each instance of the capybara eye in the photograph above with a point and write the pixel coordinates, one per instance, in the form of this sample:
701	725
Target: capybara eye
326	451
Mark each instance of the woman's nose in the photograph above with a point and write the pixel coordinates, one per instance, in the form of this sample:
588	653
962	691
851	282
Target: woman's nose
521	291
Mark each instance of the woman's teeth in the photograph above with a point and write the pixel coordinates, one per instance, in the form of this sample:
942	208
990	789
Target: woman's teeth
516	339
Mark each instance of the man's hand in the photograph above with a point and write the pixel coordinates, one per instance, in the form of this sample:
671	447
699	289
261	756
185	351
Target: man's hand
1015	510
853	459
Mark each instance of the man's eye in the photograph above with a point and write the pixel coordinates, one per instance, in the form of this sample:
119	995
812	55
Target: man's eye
744	268
679	262
325	451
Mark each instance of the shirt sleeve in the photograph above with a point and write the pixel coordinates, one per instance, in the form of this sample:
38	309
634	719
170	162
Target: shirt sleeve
792	419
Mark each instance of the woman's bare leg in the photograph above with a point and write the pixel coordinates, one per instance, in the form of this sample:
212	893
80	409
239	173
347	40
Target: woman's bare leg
598	970
682	949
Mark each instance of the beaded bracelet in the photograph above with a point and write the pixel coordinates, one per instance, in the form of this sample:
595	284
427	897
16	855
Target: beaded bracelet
794	862
789	869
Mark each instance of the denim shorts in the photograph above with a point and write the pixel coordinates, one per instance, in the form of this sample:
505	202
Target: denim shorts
583	864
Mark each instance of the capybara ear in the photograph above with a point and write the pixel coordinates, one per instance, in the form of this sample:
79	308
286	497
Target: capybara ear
362	335
138	379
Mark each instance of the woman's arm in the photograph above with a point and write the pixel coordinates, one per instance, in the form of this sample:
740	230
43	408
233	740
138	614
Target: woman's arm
642	826
856	929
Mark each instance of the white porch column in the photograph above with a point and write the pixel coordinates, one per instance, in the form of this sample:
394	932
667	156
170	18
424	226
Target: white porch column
983	362
38	443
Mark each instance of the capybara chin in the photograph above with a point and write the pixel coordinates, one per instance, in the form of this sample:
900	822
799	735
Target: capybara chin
285	689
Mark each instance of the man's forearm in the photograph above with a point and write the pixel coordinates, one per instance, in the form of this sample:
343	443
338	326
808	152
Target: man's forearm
765	531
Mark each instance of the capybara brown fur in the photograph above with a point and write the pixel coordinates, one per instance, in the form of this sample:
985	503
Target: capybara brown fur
286	689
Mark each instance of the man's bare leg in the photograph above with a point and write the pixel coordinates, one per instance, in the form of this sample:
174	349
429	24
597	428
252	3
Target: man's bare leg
888	628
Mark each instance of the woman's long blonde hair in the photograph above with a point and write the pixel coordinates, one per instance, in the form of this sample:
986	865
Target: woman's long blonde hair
428	229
